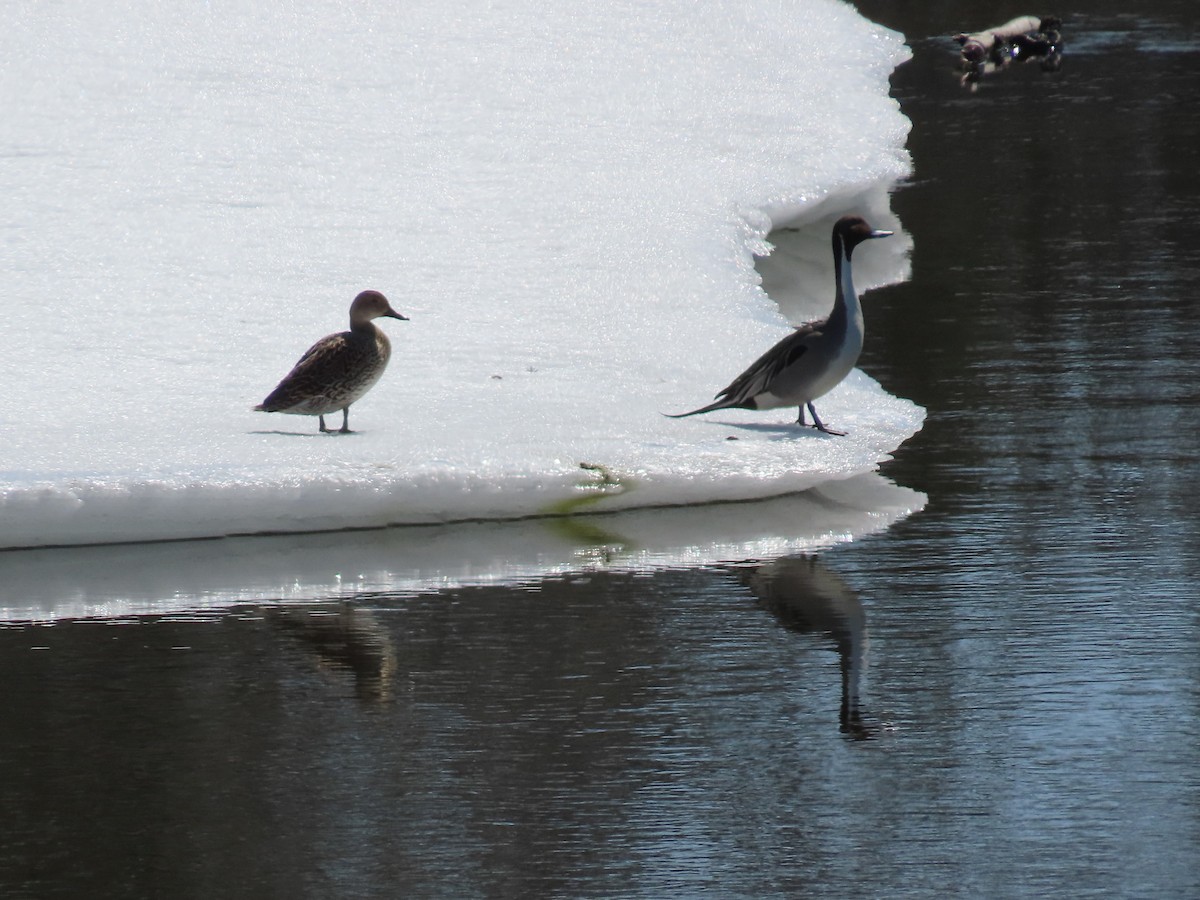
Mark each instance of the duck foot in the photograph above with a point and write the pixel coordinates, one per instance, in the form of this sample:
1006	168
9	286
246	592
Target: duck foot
824	430
345	429
817	423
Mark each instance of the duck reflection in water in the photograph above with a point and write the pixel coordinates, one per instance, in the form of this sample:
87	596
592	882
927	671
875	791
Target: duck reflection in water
344	639
807	597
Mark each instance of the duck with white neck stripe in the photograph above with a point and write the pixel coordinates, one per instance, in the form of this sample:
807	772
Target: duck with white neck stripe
814	359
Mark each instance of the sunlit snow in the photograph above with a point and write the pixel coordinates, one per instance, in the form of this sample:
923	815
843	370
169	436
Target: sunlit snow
566	199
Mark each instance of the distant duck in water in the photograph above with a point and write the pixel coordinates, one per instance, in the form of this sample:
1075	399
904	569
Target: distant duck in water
812	360
1019	40
337	370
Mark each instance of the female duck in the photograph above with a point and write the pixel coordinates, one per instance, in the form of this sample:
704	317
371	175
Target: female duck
338	369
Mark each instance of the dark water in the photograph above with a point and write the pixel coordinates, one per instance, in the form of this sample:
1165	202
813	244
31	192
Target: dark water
1025	652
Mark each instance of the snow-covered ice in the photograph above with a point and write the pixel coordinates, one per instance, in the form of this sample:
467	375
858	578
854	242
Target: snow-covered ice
380	566
567	199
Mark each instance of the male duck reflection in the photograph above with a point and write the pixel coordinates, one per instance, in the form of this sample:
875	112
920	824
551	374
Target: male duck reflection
338	369
811	361
808	597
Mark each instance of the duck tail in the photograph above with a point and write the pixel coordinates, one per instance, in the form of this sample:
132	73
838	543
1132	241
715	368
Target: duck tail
721	403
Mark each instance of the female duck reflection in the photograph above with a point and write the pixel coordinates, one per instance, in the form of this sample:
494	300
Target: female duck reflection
343	638
806	596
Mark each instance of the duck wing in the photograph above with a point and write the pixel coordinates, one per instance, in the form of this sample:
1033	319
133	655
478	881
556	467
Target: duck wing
762	373
325	363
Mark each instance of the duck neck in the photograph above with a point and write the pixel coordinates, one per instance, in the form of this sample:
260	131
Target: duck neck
847	314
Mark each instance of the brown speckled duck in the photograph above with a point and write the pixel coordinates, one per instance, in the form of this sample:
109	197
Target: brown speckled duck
338	369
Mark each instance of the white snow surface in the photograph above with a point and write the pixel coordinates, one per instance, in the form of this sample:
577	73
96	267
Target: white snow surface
566	198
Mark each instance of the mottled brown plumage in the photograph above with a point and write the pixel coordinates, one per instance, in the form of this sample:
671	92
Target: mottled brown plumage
338	369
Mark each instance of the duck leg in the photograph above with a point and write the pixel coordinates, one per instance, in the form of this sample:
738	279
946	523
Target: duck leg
345	429
321	419
817	423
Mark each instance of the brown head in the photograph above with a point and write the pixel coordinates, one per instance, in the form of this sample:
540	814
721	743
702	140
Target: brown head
371	305
850	231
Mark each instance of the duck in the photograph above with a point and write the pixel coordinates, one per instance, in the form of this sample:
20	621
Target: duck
340	368
814	358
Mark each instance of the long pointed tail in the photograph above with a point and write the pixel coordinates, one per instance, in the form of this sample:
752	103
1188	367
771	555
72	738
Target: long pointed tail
723	403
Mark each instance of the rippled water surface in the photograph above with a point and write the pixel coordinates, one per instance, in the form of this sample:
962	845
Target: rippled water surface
999	696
